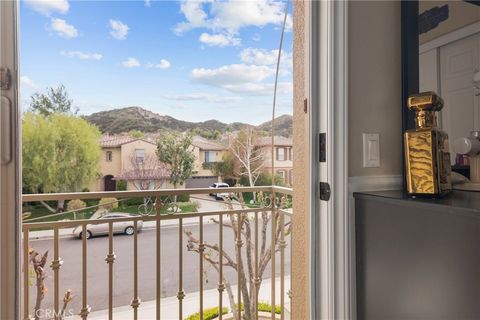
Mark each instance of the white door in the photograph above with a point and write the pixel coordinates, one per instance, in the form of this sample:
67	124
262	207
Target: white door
327	69
10	268
459	61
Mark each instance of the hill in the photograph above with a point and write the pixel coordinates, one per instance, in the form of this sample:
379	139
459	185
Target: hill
283	126
136	118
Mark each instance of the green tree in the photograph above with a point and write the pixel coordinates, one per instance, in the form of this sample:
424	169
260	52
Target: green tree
60	153
226	167
136	134
56	100
175	150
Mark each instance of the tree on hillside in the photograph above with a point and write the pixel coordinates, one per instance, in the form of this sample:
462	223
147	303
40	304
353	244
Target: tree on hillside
136	134
248	158
60	153
175	151
56	100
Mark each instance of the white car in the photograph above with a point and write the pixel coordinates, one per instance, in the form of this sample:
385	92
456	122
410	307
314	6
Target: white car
125	227
220	195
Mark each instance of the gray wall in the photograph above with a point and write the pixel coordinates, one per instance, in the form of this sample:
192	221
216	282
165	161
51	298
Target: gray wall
375	84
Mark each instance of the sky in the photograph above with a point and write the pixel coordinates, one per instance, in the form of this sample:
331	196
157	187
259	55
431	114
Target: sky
193	60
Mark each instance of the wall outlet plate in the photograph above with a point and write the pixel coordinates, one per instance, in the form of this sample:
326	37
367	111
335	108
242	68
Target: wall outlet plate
371	150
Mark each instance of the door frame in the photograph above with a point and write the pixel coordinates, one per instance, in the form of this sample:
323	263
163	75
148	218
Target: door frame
10	168
332	270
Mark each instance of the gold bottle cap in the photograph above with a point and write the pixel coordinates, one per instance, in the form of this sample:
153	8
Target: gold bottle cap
425	101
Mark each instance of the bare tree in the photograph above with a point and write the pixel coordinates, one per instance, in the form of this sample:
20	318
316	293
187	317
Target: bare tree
146	172
38	262
250	281
248	158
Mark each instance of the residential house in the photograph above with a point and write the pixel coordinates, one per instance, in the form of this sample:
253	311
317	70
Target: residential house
283	156
130	159
207	153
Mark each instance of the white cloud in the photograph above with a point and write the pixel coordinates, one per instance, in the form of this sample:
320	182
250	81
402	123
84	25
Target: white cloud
148	3
25	81
63	29
163	64
199	96
260	88
235	77
131	63
219	40
231	15
231	74
47	7
259	56
118	29
82	55
264	57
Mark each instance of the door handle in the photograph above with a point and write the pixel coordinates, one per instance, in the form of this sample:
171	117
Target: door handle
5	130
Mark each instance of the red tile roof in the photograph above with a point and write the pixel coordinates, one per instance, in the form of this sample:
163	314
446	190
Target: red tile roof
278	141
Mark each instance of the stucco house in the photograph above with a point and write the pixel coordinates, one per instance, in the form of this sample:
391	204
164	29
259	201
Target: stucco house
130	159
207	153
283	156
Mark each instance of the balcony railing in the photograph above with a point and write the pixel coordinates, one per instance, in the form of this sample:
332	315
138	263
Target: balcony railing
257	243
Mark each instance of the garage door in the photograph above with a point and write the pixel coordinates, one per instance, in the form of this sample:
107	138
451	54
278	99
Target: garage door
200	182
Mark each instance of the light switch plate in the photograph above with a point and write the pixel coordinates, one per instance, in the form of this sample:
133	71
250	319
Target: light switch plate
371	150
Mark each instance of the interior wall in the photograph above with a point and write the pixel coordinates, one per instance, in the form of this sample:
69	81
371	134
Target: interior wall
460	14
375	84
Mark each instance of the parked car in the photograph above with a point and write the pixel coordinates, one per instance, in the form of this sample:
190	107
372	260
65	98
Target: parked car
125	227
220	195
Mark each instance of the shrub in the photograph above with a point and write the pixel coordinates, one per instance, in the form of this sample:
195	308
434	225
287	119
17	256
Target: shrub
108	203
183	198
122	185
266	307
208	314
188	206
76	205
132	202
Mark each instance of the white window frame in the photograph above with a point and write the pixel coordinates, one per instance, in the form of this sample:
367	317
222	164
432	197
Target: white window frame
284	154
10	168
210	155
332	278
137	157
109	156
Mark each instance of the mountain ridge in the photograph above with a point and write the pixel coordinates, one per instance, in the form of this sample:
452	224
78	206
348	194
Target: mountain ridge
123	120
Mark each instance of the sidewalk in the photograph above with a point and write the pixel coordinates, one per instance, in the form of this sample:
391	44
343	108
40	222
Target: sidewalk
169	306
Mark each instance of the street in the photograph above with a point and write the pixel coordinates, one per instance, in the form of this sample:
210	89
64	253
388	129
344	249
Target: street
71	272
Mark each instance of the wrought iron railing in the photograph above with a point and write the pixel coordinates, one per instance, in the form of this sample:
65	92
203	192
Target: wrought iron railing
268	211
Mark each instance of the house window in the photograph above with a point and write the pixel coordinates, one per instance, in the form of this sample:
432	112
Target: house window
280	154
290	154
109	156
209	156
139	156
282	174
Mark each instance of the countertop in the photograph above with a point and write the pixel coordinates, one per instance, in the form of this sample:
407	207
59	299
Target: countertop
466	201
